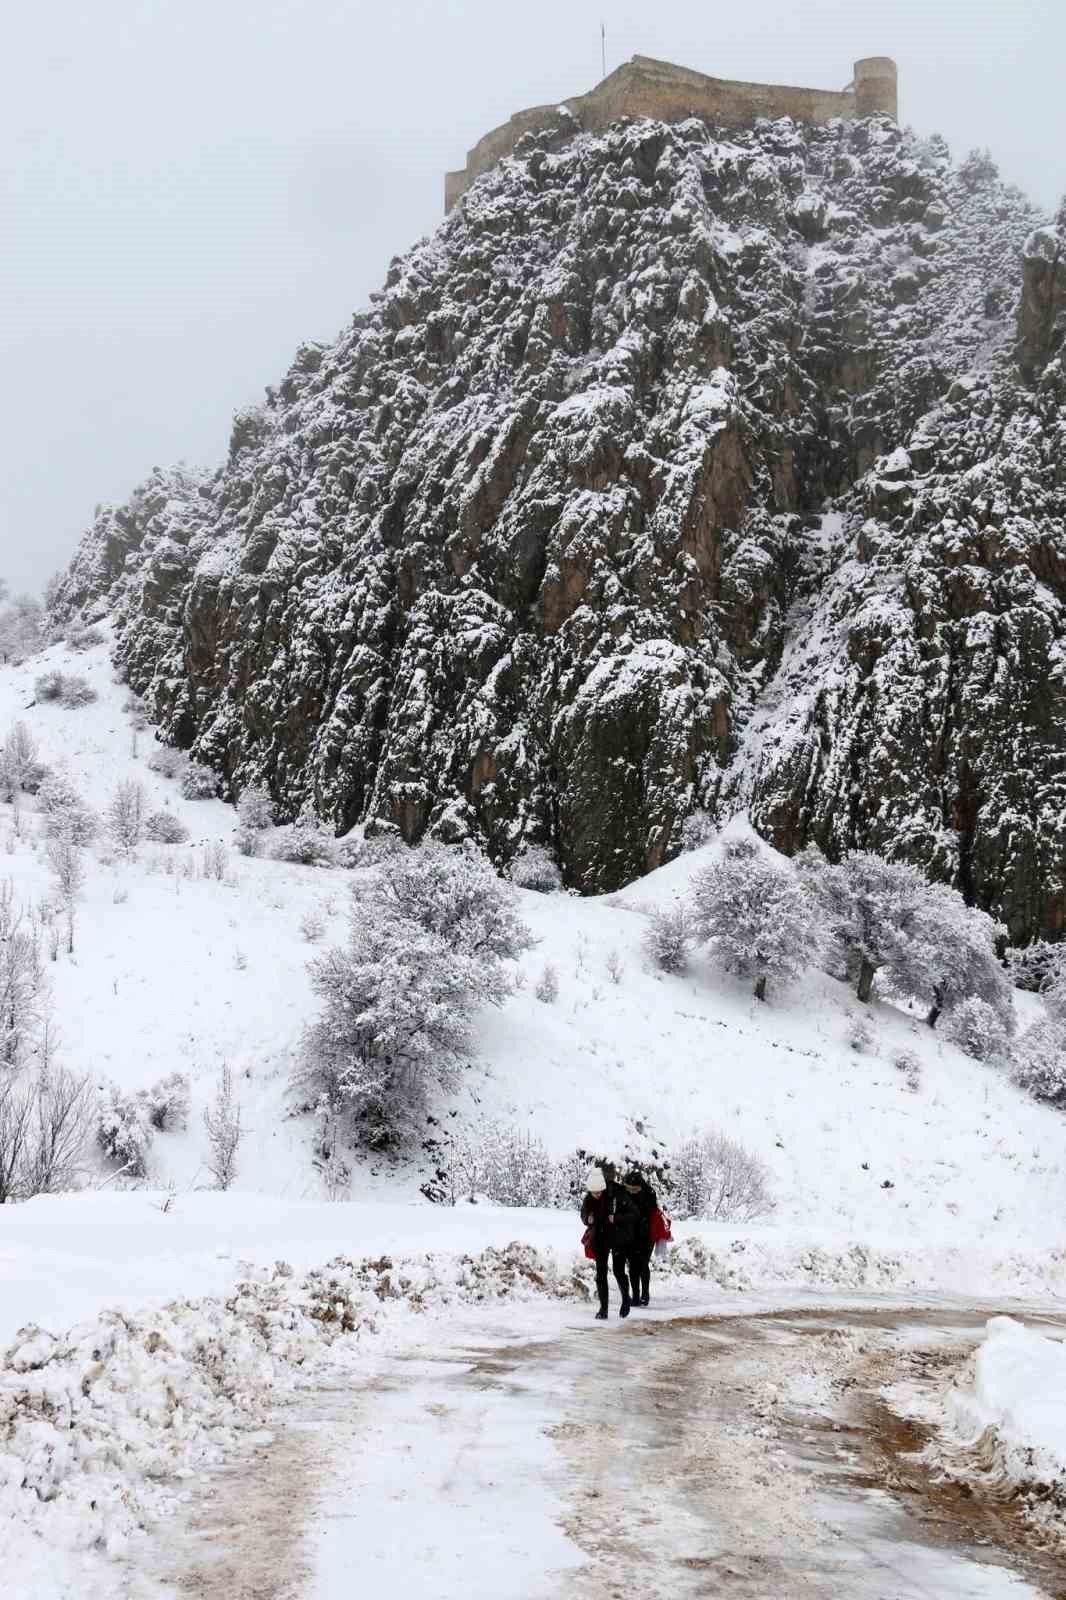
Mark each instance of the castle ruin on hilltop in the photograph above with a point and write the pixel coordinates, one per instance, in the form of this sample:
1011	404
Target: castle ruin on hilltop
644	87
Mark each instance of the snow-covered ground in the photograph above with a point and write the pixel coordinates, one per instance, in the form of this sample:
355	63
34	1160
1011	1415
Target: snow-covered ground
956	1185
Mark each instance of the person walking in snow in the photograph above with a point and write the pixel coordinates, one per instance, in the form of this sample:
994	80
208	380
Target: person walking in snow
639	1259
598	1213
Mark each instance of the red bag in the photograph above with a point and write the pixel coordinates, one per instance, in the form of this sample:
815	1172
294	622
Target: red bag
660	1227
586	1240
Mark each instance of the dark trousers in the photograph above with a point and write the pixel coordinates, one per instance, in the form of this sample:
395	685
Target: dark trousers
639	1262
618	1262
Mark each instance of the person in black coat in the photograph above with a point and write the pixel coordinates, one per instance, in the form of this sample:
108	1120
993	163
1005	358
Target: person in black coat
608	1210
638	1261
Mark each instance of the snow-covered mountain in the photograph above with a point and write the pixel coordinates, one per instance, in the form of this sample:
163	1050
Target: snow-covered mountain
676	469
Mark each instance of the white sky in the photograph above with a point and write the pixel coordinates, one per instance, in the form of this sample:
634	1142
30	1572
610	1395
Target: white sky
189	188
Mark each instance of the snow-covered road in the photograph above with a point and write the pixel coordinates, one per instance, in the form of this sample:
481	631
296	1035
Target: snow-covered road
536	1454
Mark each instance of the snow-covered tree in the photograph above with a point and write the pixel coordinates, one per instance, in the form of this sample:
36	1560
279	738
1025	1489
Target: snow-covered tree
198	782
869	906
126	814
20	981
428	939
713	1176
222	1123
163	827
66	812
456	896
21	769
255	809
22	631
947	954
1039	1061
757	918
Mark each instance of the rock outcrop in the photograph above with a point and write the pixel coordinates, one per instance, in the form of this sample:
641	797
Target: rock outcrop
674	470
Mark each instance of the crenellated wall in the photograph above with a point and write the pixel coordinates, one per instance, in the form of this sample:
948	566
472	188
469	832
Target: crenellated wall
644	87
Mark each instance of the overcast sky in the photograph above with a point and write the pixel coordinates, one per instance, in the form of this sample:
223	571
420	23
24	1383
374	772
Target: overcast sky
192	187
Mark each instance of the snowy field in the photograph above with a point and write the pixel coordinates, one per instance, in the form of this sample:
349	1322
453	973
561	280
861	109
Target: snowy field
955	1186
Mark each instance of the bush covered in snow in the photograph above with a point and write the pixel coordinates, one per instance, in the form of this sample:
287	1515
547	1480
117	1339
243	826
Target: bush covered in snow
756	916
546	988
255	809
666	940
82	636
429	935
167	1102
67	689
507	1165
697	830
198	782
978	1030
860	1035
715	1178
126	814
167	761
123	1129
1039	1062
533	868
304	843
163	827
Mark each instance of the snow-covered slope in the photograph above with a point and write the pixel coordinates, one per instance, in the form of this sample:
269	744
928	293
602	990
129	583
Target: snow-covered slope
182	973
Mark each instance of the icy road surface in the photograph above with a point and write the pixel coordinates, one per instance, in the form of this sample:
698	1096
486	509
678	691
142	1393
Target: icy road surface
747	1456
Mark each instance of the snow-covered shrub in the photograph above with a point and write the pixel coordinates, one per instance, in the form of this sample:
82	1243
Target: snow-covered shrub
22	628
909	1065
248	843
977	1029
428	938
198	782
757	918
80	636
168	762
215	861
860	1035
1038	1061
167	1102
222	1123
869	906
714	1177
66	812
358	854
64	856
666	939
304	843
533	868
1033	967
615	966
67	689
123	1129
126	814
49	686
163	827
508	1165
135	708
255	809
697	830
546	988
312	926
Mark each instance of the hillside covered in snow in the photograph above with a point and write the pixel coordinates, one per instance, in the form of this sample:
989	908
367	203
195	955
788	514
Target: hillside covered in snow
677	470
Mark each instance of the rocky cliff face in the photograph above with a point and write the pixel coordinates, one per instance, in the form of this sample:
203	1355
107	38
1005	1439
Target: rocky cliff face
603	512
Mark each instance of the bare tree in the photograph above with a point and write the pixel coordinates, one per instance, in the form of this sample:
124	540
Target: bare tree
16	1134
222	1121
126	815
62	1125
20	975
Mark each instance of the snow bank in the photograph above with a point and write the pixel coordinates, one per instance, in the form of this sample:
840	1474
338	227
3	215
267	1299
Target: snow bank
99	1428
1012	1412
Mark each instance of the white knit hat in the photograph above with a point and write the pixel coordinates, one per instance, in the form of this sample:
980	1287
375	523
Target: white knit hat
595	1182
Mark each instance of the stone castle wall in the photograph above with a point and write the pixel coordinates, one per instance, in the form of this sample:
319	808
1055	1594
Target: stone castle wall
644	87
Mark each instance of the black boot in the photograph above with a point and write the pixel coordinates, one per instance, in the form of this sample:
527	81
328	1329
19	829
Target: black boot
601	1315
623	1309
